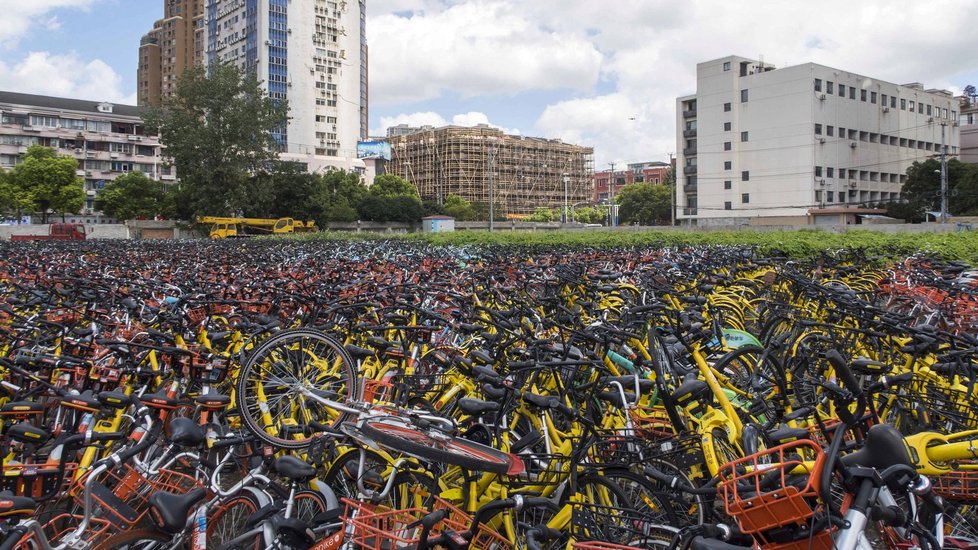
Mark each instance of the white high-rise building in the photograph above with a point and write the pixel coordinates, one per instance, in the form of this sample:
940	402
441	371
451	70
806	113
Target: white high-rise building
312	53
801	145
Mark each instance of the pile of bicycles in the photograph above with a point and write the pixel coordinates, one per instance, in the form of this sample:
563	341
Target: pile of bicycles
391	395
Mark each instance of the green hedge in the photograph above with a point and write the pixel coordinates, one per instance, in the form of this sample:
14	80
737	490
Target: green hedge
799	244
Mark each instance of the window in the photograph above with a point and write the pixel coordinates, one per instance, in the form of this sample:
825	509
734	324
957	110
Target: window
842	173
726	66
912	105
818	171
726	107
828	87
893	101
903	104
862	95
929	111
743	96
743	136
852	93
830	131
745	198
818	129
745	175
72	124
829	172
829	196
727	165
883	100
727	205
872	97
842	132
727	146
49	121
842	90
320	118
726	126
727	185
818	84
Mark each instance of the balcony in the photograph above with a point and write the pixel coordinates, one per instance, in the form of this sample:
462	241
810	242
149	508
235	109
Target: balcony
689	188
689	151
689	170
689	133
689	114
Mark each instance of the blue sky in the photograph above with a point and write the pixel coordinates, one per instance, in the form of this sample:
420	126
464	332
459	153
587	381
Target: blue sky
603	74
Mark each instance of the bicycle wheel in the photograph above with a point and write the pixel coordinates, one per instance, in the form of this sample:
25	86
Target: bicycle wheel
138	539
272	393
644	496
409	490
444	450
229	519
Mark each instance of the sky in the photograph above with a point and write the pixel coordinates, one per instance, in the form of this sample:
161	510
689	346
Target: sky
603	74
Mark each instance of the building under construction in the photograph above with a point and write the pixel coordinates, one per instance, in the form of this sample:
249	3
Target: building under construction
520	173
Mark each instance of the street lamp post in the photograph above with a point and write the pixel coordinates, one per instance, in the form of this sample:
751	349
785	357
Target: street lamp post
611	197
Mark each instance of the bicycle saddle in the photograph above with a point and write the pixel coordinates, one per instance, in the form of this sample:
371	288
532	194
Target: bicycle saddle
294	468
169	511
357	352
703	543
14	506
114	399
884	448
213	400
477	407
628	383
185	432
21	407
25	432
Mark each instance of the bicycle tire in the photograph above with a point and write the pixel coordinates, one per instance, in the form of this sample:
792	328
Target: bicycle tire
304	352
128	540
455	451
229	519
643	495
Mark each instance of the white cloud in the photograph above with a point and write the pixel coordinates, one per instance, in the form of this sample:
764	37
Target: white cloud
430	118
21	17
603	63
66	75
473	49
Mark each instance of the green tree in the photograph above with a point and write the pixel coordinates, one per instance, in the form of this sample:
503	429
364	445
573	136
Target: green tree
590	214
459	208
965	196
49	181
923	186
390	185
132	196
544	214
219	129
644	203
13	199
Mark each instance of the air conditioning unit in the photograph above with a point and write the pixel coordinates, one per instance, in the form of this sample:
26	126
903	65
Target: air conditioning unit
113	155
852	183
853	145
821	182
821	97
886	109
78	151
89	155
88	173
930	119
821	140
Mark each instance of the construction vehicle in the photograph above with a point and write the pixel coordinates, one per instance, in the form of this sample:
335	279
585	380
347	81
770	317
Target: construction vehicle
225	227
54	232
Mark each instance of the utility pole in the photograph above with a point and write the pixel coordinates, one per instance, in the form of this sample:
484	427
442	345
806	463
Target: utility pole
611	197
675	189
566	180
943	175
492	211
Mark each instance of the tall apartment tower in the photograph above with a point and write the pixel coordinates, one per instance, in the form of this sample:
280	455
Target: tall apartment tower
806	144
312	53
175	44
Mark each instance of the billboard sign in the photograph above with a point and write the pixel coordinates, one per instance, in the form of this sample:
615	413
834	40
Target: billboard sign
374	149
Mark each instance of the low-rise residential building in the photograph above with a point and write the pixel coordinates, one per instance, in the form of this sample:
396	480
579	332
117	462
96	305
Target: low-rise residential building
760	145
107	140
639	172
969	130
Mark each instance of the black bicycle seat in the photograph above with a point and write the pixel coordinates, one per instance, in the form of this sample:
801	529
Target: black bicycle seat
294	468
169	511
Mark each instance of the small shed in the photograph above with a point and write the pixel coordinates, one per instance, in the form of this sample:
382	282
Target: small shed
437	224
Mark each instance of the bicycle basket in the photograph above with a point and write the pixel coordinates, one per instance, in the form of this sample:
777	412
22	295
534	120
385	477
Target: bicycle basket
62	525
959	486
123	493
603	524
773	488
36	480
380	528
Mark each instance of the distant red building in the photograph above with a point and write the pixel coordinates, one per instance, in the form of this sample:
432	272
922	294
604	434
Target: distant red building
640	172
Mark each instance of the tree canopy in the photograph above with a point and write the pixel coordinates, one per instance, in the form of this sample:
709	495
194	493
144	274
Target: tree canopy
133	196
644	203
219	130
46	182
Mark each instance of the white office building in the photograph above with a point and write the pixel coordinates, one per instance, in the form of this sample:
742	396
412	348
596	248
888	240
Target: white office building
312	53
801	145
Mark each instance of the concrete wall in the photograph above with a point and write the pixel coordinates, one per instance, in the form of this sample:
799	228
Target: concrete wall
94	231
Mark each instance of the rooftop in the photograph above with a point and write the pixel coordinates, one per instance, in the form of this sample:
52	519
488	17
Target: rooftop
65	104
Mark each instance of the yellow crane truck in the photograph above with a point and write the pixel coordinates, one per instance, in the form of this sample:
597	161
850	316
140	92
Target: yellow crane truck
224	227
